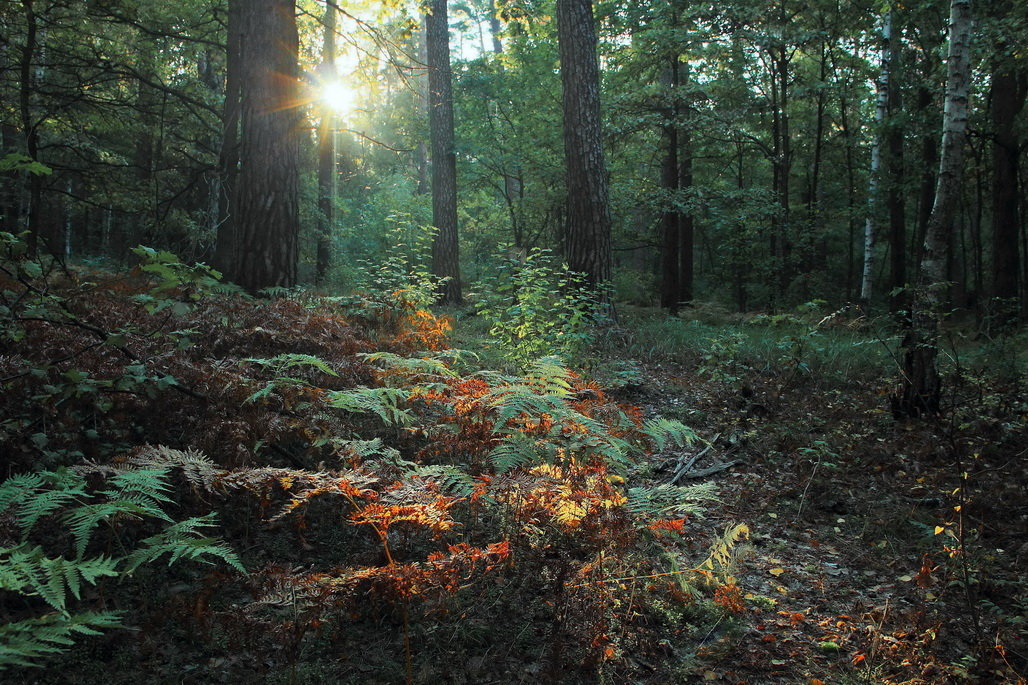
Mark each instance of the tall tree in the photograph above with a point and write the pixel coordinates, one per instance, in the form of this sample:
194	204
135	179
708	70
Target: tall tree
1006	100
588	226
874	182
265	202
445	249
326	148
921	388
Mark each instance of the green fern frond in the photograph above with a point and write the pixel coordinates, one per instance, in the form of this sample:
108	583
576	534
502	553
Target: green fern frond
381	401
670	500
516	401
663	432
198	470
22	643
183	540
17	488
425	365
45	502
451	479
549	376
281	363
30	572
516	451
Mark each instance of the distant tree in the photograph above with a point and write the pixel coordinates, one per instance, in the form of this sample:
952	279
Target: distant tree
326	149
445	251
588	225
265	196
1006	100
921	389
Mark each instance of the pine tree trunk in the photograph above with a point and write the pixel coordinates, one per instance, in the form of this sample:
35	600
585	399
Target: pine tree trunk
921	389
588	224
265	203
228	155
1009	88
326	151
445	250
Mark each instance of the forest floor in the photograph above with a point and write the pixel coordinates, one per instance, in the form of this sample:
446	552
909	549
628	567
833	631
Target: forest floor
402	517
881	551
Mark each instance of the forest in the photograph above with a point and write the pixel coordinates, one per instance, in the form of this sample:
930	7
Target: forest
514	341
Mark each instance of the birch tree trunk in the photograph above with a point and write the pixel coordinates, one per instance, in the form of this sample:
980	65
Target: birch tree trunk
881	109
921	388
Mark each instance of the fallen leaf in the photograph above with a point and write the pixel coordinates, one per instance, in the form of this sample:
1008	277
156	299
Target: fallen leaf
778	571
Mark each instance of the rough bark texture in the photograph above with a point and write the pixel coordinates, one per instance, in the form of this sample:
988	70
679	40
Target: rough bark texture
266	194
445	251
326	151
588	225
895	197
228	155
921	388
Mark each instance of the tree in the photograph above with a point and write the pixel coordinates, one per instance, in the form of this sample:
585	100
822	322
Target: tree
588	224
326	149
921	389
445	249
265	197
1006	99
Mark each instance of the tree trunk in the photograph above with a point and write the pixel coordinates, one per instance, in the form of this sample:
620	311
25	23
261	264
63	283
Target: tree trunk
895	198
921	388
588	224
670	282
326	151
266	194
1009	88
445	250
874	182
228	155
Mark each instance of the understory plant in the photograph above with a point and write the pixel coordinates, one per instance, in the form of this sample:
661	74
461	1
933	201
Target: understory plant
536	306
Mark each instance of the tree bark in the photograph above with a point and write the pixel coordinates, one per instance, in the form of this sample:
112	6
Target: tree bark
326	151
874	182
445	249
588	224
921	389
228	155
266	194
1008	92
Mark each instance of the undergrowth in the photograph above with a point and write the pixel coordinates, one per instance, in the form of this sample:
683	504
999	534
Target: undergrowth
394	506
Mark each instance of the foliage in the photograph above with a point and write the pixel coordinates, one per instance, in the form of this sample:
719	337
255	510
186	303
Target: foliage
27	569
536	307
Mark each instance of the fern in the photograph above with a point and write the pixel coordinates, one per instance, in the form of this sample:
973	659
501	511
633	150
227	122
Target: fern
381	401
550	377
412	366
668	500
663	432
724	551
30	572
22	643
183	540
281	363
517	450
451	479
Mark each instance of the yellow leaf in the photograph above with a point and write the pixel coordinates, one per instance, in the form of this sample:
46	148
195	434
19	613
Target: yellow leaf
939	529
777	571
905	579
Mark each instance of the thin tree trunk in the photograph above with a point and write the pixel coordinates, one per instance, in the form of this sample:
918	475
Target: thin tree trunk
445	250
326	151
228	155
895	197
874	182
